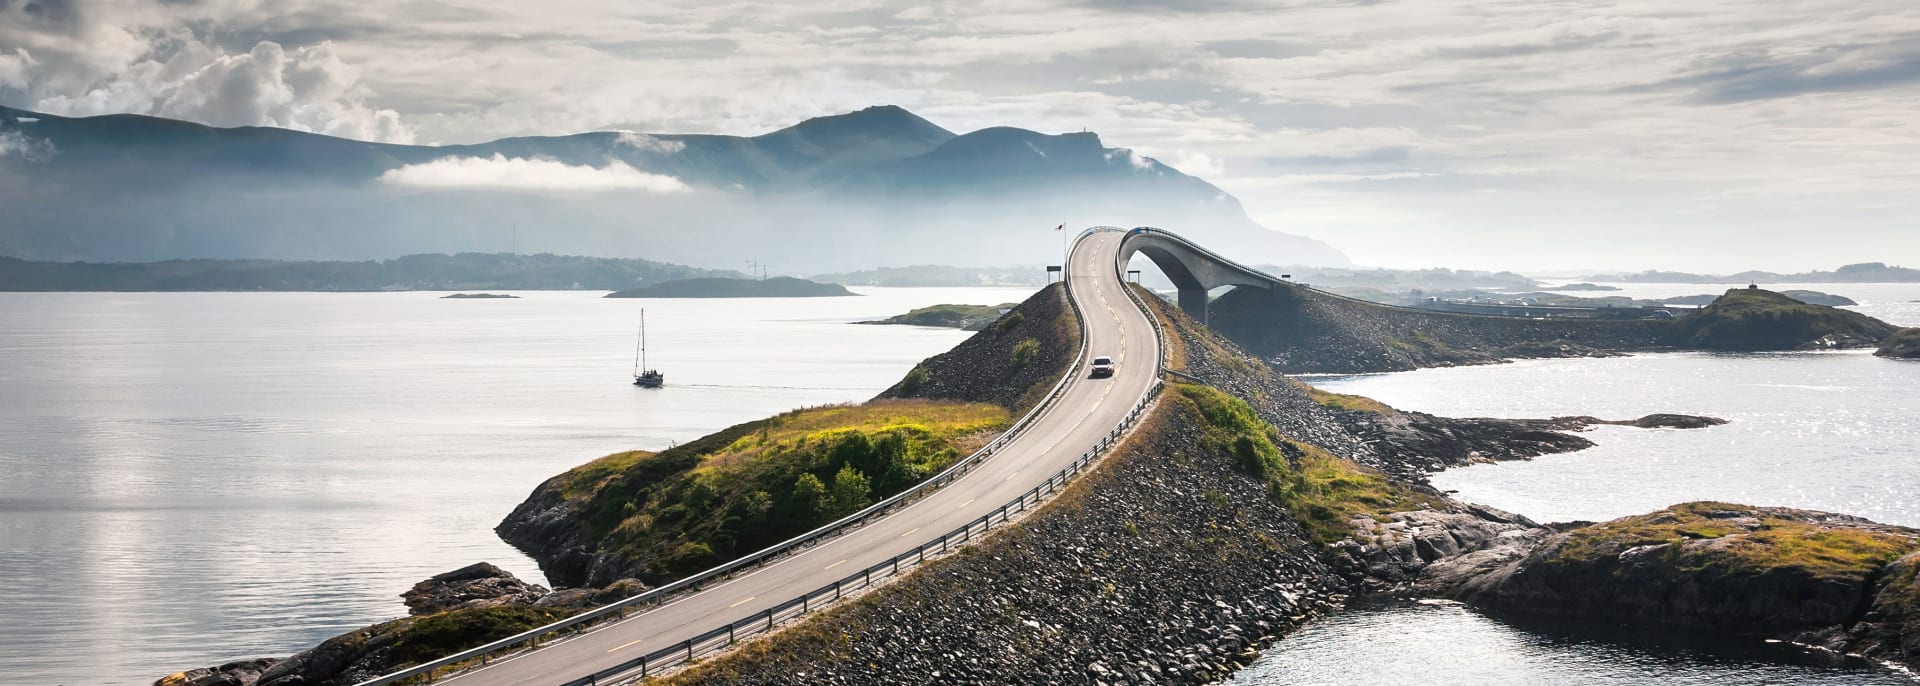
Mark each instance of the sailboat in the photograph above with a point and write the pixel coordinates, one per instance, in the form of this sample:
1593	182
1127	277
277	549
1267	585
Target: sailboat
642	376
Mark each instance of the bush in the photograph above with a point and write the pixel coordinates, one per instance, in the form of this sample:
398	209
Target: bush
1006	323
851	491
1024	351
915	379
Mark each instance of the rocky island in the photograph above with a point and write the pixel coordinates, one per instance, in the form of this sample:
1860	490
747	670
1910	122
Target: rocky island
963	317
714	287
1903	344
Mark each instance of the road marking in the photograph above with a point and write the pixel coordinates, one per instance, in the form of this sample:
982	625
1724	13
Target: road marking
743	602
969	502
623	645
1010	476
910	532
836	564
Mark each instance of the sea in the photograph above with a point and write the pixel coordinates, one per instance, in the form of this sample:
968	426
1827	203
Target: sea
189	478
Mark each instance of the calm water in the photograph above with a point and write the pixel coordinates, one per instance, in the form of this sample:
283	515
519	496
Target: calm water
194	477
1831	431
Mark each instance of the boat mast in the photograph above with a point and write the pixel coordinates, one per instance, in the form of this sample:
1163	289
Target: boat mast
640	353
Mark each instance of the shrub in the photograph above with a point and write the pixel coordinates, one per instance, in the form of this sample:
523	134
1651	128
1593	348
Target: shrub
1008	322
916	378
851	491
1024	351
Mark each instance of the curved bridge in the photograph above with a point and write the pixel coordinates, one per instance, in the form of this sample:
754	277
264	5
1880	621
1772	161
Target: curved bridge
1194	270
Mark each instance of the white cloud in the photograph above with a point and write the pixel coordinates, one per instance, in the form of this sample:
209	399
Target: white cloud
649	144
14	144
528	174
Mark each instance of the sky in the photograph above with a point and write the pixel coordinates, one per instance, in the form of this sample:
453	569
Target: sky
1709	135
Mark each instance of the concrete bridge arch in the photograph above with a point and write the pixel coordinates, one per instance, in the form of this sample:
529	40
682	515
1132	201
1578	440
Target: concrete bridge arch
1194	270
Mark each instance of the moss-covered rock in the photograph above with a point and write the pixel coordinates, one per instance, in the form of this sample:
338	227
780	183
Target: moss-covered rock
1735	568
1903	344
967	317
999	365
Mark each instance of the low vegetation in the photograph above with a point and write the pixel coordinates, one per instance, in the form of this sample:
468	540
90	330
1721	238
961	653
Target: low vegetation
968	317
1024	351
1322	491
1752	540
1904	343
696	505
1344	402
446	633
1755	319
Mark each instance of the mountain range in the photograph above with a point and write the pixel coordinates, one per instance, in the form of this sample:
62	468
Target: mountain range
877	187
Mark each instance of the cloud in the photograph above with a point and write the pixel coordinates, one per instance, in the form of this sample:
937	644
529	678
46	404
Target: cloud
649	144
14	144
1134	159
528	174
118	56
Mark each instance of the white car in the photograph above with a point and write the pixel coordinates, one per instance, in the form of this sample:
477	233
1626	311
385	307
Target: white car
1102	367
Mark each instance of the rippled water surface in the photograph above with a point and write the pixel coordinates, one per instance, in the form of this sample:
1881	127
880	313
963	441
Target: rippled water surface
194	477
1450	645
1836	431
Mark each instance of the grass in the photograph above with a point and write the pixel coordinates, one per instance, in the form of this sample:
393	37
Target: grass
739	490
1024	351
1322	491
1775	542
953	315
1344	402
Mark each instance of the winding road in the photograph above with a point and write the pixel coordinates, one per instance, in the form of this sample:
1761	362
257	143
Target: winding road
1089	409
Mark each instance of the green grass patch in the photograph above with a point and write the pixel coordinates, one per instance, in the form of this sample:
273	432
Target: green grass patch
1774	542
1755	319
1344	402
691	507
1322	491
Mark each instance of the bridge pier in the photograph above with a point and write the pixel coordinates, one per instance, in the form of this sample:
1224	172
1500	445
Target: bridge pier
1193	301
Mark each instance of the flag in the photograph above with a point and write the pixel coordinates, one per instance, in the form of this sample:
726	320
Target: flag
1061	227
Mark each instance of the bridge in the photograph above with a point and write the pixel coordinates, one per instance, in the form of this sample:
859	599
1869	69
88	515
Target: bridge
1038	455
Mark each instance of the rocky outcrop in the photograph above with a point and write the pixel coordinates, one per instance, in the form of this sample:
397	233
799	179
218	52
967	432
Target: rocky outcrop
239	673
450	612
477	585
1754	319
1833	580
1903	344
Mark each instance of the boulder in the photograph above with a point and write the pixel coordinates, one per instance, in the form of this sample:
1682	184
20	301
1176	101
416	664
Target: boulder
477	585
237	673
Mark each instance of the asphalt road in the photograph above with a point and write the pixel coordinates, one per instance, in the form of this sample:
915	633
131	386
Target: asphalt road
1089	410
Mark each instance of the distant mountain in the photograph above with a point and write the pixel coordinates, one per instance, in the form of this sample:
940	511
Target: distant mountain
877	187
409	273
1865	272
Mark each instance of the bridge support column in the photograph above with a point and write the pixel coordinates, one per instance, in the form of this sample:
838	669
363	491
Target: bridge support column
1193	301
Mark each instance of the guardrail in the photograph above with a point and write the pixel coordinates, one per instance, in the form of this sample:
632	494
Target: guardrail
620	609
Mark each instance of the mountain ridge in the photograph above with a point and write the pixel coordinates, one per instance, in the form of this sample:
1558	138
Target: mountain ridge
818	193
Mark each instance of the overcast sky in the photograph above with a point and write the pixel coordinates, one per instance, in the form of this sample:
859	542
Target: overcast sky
1707	134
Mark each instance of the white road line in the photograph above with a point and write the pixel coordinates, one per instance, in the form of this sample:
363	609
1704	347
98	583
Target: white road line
836	564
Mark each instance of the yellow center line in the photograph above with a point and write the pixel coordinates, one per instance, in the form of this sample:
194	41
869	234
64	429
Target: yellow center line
910	532
623	645
836	564
743	602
